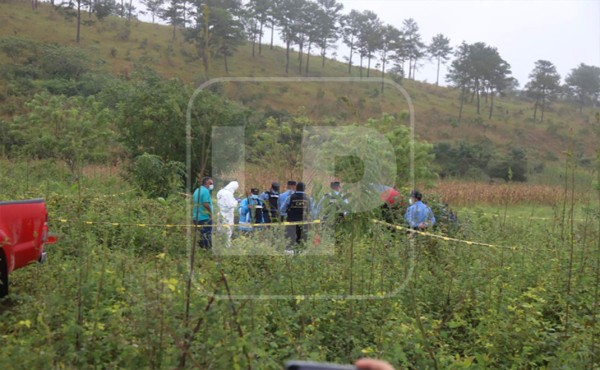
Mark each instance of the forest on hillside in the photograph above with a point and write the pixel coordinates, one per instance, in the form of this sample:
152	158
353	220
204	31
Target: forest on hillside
218	28
38	73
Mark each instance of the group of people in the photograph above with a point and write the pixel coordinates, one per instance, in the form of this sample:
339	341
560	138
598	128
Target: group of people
272	206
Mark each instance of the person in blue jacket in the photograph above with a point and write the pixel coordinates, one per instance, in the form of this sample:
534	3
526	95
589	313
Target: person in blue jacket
290	189
253	210
418	216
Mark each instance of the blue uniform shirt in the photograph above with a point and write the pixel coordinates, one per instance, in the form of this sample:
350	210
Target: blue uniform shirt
201	196
419	213
282	200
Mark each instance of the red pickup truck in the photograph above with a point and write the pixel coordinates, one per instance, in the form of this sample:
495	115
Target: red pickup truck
23	234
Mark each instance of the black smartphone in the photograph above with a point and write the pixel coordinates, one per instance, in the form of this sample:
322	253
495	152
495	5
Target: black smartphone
310	365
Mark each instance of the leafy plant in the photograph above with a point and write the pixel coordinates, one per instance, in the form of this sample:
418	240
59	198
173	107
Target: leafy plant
75	130
155	177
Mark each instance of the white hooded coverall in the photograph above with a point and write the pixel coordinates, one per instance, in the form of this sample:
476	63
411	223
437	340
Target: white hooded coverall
227	205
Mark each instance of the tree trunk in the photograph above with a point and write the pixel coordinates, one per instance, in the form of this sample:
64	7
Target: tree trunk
300	46
535	107
307	58
226	65
409	68
361	66
287	57
272	32
174	31
260	31
253	45
478	102
414	70
206	52
543	106
462	102
78	20
368	66
350	58
323	51
491	104
437	77
382	74
129	11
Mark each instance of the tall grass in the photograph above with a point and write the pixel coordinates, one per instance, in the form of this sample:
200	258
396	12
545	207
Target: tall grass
114	296
461	193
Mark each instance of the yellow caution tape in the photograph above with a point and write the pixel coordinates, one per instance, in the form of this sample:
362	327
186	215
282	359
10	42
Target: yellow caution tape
62	220
397	227
447	238
443	237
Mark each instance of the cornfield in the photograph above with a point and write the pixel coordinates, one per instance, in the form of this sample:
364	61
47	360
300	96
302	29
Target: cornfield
468	193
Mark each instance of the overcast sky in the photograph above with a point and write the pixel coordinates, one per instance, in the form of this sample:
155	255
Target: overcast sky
564	32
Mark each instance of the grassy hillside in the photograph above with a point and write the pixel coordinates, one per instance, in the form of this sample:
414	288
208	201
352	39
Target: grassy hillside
116	45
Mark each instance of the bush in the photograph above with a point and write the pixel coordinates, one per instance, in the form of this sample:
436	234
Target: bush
123	33
512	168
152	117
155	177
18	49
60	87
73	129
63	62
463	159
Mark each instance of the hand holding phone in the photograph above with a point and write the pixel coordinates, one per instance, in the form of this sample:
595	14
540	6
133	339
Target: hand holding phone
361	364
310	365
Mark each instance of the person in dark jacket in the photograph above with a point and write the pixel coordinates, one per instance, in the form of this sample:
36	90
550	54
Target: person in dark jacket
297	208
271	197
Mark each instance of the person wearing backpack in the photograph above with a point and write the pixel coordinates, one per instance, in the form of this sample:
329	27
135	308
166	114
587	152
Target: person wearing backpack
297	208
253	210
271	197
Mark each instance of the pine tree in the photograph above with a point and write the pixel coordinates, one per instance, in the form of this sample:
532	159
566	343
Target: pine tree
439	49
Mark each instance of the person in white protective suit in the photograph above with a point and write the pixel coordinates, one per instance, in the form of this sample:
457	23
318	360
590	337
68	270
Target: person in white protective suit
227	205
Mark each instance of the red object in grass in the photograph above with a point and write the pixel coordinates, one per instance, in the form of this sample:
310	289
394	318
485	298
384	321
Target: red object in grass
391	196
23	234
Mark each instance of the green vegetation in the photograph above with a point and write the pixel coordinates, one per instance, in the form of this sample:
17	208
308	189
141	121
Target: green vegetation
115	295
95	121
111	48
